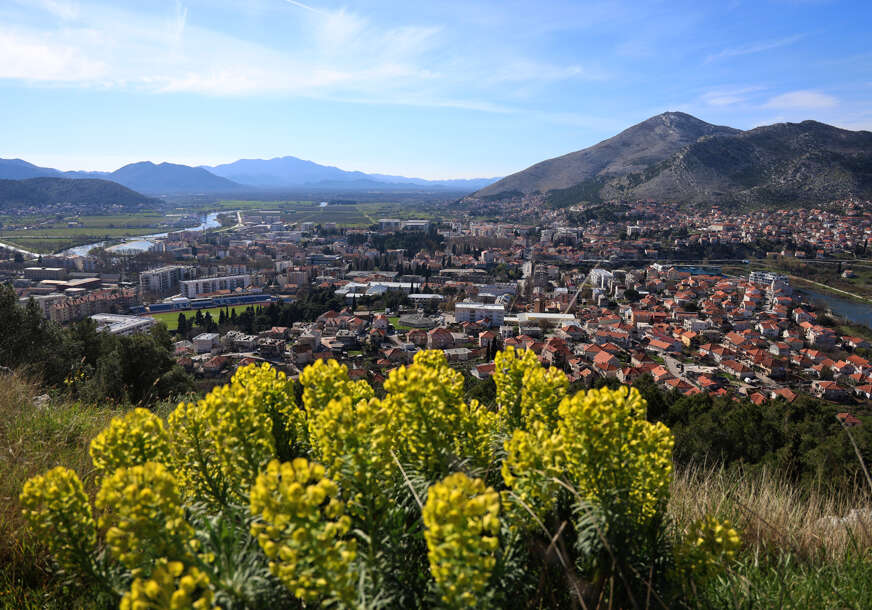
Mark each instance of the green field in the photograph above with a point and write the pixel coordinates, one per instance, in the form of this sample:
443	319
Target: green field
171	318
351	215
52	234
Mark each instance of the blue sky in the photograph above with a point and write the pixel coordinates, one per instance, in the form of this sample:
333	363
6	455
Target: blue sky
439	89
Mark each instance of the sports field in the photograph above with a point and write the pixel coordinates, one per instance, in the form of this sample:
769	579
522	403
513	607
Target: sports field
171	318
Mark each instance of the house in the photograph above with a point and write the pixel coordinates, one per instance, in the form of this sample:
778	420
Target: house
440	338
417	336
848	420
829	390
486	338
484	371
784	393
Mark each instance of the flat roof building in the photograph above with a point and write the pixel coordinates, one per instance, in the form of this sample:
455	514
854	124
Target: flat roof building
117	324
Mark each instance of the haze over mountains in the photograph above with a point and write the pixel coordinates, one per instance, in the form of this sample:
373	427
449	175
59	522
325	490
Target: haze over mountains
284	172
242	175
672	156
677	157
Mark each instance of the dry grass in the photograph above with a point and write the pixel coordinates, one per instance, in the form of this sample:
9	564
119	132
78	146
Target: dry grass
773	515
33	440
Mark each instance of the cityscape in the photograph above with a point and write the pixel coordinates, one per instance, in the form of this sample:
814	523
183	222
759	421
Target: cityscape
371	305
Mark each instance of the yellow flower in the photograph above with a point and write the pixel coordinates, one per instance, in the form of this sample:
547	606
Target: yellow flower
136	438
708	545
143	515
58	512
354	441
461	517
223	441
171	586
613	455
303	530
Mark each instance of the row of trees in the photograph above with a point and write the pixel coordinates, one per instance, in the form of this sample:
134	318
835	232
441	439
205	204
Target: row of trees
89	364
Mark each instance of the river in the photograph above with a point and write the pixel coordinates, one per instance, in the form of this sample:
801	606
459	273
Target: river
853	311
143	242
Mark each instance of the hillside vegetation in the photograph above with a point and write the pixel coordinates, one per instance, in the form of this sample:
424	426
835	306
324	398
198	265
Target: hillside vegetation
47	191
676	157
272	493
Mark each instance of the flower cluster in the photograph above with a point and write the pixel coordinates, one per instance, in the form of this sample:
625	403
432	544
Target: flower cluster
136	438
224	440
143	515
462	520
543	390
708	545
57	509
171	587
302	529
613	455
245	483
324	381
510	367
425	400
534	461
353	441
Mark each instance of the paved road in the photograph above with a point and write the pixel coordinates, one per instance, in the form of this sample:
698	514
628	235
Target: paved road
676	369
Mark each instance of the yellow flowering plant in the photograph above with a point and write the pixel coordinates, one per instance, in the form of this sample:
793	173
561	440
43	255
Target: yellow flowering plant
171	586
462	524
131	440
246	499
59	513
143	516
302	527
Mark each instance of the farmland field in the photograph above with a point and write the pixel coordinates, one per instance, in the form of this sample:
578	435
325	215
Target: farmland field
349	215
48	235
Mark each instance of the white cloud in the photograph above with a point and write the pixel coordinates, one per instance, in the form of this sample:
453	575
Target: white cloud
67	10
729	97
755	47
802	100
308	51
45	58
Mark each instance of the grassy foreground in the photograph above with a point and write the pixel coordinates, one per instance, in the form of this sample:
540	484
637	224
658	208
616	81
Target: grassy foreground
795	554
34	439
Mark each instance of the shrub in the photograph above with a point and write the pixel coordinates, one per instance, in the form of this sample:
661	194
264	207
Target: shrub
246	499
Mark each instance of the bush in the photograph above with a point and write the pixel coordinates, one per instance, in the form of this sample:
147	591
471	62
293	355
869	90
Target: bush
418	499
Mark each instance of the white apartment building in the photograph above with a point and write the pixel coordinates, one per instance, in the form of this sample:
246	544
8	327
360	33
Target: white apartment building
473	312
194	288
164	280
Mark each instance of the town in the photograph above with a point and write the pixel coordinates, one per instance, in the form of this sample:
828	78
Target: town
657	291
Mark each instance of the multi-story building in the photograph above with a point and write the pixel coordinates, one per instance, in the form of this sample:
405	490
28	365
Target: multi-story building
194	288
164	280
473	312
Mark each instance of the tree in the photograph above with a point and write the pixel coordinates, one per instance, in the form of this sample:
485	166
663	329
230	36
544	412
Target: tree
182	328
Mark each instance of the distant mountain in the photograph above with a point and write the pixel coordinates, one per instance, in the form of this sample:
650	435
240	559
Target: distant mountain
44	191
18	169
147	177
290	172
677	157
170	178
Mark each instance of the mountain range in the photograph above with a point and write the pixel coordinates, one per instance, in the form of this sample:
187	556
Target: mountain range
87	191
285	172
676	157
243	175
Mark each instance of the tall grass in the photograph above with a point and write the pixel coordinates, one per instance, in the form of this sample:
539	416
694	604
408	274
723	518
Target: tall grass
773	514
32	440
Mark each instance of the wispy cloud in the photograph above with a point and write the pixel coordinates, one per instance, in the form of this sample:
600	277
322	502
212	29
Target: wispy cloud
729	96
755	47
802	100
